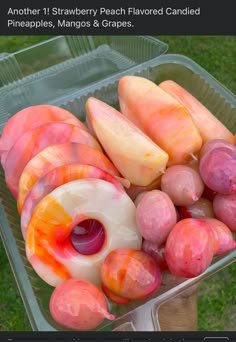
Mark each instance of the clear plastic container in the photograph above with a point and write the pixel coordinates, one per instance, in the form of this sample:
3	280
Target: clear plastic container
139	315
61	66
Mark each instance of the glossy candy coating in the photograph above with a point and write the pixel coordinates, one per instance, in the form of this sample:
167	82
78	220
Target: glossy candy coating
190	248
130	273
155	216
218	170
133	153
183	184
54	178
79	305
34	141
58	155
48	243
223	234
113	297
165	120
29	118
225	209
208	125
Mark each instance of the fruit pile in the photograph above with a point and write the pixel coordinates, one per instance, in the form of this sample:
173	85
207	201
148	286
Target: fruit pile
109	205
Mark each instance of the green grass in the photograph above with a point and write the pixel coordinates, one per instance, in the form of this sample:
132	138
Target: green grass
217	295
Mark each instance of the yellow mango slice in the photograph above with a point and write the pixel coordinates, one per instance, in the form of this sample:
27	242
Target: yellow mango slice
135	155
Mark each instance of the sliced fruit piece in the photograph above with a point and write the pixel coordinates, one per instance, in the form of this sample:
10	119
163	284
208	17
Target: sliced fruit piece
208	125
56	177
29	118
57	155
165	120
137	158
34	141
48	243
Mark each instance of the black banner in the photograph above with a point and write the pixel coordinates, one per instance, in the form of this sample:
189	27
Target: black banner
119	337
129	17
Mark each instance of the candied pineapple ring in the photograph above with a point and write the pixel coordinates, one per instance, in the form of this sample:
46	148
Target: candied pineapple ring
57	155
34	141
48	244
29	118
56	177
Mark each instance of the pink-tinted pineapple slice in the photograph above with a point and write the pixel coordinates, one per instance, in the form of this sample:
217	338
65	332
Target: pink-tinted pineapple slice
56	177
137	158
29	118
57	155
165	120
208	125
34	141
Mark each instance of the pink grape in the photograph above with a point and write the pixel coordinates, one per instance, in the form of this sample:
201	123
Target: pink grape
155	216
190	248
212	144
223	234
218	170
225	209
183	184
130	273
79	305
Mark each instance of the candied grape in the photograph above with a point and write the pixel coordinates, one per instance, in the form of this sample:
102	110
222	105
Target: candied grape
190	248
183	184
225	209
155	216
218	170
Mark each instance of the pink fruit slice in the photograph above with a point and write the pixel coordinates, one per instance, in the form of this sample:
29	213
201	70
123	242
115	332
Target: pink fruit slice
29	118
78	304
49	245
137	158
166	121
34	141
57	155
208	125
56	177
